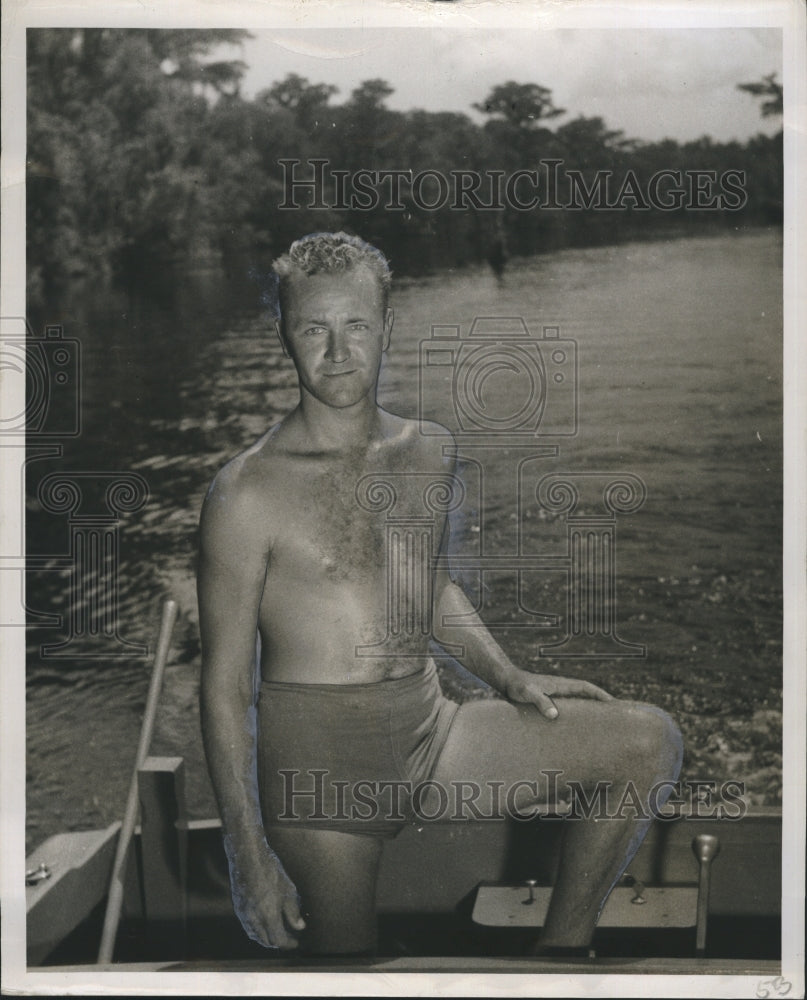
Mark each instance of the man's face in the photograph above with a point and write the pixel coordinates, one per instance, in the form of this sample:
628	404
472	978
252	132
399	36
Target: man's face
335	329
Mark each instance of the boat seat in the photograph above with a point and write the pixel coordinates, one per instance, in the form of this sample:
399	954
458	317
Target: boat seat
627	906
631	904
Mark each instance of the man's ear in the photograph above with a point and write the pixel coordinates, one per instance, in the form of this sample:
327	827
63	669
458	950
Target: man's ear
280	337
389	318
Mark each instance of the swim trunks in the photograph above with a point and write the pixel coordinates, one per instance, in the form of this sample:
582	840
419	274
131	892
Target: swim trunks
350	757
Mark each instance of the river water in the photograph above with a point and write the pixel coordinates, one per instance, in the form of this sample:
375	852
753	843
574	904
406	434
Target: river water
679	383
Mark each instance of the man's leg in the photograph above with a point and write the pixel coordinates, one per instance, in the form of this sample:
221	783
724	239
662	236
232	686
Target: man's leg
617	742
335	874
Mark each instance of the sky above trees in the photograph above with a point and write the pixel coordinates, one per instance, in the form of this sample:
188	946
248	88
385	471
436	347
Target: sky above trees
652	84
145	150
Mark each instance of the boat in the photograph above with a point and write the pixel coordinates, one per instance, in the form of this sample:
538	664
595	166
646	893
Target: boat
701	896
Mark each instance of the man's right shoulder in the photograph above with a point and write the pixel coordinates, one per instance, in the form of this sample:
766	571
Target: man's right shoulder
242	487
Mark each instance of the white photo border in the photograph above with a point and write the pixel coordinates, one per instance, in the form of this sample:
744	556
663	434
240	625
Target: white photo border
18	15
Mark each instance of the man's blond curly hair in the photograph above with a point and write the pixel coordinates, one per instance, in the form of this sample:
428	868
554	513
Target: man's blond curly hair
329	253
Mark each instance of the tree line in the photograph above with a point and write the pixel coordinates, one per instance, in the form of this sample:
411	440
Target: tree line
143	155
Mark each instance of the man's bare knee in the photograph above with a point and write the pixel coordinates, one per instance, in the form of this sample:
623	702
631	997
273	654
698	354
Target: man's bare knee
654	738
335	874
622	740
334	929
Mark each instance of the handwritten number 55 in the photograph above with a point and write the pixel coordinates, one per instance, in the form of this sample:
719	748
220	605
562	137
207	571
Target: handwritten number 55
780	987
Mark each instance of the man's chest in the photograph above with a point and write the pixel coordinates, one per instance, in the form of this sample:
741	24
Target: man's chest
359	522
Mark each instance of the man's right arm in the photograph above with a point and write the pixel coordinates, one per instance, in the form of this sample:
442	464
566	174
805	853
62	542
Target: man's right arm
233	562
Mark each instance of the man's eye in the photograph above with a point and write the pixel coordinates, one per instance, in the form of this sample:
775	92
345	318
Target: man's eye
315	329
359	326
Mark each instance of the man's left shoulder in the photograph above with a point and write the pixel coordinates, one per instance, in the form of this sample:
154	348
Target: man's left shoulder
424	438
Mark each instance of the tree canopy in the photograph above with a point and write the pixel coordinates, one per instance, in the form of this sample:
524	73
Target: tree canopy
143	154
771	92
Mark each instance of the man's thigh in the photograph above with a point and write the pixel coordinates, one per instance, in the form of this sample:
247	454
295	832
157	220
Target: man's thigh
335	875
496	741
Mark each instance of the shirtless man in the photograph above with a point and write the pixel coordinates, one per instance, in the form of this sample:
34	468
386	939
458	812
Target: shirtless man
292	551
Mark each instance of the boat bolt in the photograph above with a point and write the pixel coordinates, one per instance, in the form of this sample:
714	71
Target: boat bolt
36	875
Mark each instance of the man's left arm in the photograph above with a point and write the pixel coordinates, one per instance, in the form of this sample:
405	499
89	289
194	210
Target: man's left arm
483	656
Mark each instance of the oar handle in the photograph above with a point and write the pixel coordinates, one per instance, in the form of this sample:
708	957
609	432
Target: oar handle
705	848
115	897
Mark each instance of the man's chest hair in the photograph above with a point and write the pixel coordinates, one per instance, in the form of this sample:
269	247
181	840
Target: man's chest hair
339	516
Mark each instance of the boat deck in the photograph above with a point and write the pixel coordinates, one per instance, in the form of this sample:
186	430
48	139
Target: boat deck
435	965
448	900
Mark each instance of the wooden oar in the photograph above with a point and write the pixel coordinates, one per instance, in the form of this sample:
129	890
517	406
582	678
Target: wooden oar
115	898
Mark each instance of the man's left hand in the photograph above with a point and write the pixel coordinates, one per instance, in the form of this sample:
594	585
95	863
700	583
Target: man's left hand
540	689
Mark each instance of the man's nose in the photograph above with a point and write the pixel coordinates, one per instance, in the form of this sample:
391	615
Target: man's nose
338	347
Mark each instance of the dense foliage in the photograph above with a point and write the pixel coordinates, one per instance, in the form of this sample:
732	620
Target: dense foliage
142	154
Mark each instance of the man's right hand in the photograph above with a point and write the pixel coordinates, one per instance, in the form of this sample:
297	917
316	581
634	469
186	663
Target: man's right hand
266	901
